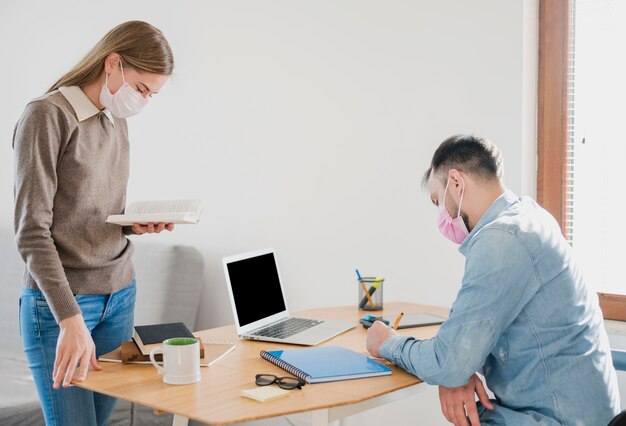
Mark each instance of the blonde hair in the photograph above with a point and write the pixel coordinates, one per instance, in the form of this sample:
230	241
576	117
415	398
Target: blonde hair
139	44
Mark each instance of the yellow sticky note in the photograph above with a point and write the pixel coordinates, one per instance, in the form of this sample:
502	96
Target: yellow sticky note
264	393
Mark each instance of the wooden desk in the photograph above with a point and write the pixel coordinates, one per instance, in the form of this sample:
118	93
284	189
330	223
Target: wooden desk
216	398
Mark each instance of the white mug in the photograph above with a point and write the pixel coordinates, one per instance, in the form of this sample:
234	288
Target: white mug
181	360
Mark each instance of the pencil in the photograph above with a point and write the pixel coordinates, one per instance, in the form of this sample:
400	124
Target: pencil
397	322
367	294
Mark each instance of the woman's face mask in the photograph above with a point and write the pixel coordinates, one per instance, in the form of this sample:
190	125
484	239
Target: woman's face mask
125	103
453	229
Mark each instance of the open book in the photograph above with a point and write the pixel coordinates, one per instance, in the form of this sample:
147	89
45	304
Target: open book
169	211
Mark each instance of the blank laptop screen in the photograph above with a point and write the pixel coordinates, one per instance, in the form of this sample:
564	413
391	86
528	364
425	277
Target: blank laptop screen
256	288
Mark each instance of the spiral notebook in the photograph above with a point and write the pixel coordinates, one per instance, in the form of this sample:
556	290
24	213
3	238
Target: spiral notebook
326	364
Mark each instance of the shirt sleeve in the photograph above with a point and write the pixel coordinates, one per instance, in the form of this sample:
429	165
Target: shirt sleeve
499	280
38	142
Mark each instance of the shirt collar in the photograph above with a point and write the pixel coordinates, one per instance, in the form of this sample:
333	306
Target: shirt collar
83	107
503	202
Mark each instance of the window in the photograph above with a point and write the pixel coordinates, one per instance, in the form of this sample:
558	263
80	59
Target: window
580	147
597	142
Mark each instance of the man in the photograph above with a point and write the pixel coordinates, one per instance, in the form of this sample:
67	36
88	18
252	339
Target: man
523	317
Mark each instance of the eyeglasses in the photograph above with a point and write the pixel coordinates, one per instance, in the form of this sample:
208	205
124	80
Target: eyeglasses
287	383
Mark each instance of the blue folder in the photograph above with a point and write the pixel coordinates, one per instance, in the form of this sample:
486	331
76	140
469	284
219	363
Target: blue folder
326	364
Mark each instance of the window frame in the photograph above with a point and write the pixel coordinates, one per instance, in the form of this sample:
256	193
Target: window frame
552	113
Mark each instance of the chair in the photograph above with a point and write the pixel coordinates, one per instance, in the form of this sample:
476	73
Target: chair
619	420
619	361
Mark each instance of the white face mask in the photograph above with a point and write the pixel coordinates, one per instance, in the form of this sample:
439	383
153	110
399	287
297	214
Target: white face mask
125	103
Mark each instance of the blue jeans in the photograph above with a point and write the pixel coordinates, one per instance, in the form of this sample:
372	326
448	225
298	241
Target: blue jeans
109	318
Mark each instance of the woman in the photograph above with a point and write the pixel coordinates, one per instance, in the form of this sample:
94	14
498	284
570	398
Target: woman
71	172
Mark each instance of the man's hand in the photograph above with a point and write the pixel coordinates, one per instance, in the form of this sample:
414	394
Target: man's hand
457	404
75	346
376	336
151	228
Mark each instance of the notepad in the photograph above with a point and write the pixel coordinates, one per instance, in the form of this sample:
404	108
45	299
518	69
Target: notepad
264	393
326	364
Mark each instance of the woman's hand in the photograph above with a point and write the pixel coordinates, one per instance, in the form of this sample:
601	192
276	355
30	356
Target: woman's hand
151	228
74	346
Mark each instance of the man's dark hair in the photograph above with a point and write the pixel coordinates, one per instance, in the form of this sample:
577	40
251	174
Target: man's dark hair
467	153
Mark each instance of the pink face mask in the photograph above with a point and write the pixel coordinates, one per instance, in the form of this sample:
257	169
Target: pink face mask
453	229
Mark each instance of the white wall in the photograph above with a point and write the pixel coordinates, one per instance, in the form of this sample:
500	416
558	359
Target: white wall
306	126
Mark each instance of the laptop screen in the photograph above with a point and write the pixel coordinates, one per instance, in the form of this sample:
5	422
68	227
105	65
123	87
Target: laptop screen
256	288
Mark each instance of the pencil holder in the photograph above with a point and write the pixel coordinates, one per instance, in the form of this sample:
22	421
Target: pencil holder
371	293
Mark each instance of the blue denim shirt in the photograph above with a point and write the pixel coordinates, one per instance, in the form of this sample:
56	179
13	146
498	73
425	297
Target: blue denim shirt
525	318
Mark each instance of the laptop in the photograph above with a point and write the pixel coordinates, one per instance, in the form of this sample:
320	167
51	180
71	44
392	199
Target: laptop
258	302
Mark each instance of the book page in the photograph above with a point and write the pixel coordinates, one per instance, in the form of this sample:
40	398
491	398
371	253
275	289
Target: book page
166	206
145	218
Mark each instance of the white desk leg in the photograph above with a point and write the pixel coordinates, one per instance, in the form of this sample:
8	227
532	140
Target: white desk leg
180	420
319	418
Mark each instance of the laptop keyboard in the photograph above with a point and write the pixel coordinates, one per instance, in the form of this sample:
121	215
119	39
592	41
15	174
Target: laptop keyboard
287	328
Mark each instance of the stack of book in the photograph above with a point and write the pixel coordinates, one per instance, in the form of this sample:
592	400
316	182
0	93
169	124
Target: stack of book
148	337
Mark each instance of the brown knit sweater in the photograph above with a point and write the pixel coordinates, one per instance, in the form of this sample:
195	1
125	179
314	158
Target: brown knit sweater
71	172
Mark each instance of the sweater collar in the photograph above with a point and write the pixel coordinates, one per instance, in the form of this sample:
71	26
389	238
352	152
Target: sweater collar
83	107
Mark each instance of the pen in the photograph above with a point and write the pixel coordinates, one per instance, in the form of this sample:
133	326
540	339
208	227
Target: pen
358	275
397	322
367	295
373	288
